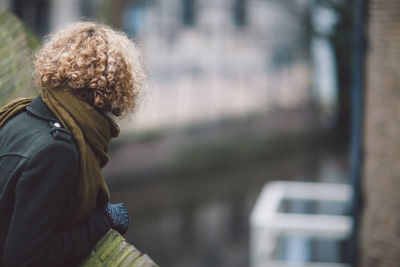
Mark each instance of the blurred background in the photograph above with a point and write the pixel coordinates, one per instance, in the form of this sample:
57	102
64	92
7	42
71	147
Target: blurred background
240	93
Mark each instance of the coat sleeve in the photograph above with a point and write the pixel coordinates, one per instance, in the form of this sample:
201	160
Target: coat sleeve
44	189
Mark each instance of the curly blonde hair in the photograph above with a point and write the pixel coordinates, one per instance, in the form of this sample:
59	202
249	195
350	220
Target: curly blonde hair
100	65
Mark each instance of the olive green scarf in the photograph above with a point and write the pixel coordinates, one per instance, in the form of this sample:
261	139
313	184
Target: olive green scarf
92	133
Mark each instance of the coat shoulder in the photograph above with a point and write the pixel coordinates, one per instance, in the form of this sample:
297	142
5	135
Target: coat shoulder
27	134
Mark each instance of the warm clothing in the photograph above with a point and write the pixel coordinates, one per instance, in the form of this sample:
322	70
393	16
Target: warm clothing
13	108
92	132
117	217
39	177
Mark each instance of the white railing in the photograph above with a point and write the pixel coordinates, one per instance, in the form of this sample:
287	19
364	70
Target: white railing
314	211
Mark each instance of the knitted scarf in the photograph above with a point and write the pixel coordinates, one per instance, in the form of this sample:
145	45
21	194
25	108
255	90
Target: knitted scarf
92	133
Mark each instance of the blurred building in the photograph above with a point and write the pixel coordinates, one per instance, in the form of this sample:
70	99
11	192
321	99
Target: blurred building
206	59
212	59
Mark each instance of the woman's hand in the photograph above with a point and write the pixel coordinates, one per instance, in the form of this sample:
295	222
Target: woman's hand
117	217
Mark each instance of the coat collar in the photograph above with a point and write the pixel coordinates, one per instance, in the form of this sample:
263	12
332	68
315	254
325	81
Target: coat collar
39	109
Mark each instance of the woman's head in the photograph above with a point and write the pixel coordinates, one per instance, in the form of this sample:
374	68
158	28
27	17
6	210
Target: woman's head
100	65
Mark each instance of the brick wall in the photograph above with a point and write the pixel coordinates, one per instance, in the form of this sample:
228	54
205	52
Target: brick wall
380	232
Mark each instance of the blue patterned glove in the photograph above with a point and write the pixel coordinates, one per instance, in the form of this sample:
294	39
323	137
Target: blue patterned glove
117	217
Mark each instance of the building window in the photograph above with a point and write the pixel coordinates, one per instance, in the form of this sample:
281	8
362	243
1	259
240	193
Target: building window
134	18
189	15
240	13
34	12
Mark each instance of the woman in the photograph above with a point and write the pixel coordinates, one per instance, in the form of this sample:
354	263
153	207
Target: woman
54	202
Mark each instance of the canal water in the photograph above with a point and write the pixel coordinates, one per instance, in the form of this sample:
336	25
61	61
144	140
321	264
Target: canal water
190	206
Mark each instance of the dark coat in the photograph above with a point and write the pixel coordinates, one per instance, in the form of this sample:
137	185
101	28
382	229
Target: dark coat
39	169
